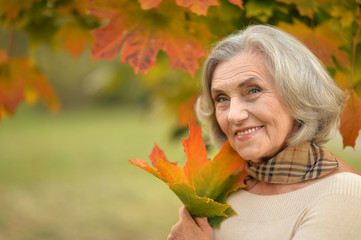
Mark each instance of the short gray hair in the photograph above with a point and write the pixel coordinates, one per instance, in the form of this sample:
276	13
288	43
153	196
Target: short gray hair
302	82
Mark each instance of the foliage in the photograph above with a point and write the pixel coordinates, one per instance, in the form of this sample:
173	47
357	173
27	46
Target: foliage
202	185
20	81
149	33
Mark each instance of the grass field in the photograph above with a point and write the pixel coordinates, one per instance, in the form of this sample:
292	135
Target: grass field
66	176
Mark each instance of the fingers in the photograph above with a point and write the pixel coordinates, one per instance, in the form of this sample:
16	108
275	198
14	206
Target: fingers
170	237
184	214
189	228
203	224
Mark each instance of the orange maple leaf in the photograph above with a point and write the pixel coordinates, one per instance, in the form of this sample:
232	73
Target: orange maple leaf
142	39
350	124
202	184
19	81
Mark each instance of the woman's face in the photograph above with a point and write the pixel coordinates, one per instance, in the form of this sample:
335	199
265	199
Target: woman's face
248	108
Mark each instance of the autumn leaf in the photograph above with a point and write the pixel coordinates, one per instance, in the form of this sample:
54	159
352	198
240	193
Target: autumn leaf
202	184
142	39
74	38
20	81
351	120
199	7
318	40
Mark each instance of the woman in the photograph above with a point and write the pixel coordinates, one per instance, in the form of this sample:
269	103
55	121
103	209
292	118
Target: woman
272	99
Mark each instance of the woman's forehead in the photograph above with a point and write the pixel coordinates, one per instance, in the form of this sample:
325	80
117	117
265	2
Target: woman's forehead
243	67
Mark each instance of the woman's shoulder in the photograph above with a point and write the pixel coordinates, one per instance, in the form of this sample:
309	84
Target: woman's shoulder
345	180
341	183
345	167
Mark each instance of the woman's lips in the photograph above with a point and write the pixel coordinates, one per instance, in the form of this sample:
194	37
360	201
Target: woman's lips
247	133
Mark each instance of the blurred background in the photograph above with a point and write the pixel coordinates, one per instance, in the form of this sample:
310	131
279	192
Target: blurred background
65	174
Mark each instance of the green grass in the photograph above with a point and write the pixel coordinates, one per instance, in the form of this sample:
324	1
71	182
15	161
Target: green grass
66	176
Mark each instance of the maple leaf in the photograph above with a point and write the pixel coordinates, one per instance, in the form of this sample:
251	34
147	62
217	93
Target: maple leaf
20	81
318	40
350	124
202	184
142	40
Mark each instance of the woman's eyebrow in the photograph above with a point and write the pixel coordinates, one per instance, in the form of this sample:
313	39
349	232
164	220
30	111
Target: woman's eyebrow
215	90
248	81
240	85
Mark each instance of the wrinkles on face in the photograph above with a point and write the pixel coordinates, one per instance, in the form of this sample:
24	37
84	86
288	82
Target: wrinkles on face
248	108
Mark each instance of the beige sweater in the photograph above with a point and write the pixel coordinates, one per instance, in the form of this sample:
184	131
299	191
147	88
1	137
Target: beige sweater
329	209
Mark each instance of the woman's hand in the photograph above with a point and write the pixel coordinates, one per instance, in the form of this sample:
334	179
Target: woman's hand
189	228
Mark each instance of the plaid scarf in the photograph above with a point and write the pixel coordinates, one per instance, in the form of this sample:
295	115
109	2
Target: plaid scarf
294	164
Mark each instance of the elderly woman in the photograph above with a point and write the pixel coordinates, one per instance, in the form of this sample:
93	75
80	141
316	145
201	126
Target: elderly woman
273	100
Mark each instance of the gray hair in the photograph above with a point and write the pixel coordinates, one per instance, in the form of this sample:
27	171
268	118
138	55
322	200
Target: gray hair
301	80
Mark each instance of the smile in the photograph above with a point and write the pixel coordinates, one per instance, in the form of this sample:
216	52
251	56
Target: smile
248	131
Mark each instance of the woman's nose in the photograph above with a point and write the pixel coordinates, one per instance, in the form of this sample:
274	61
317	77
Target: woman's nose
237	112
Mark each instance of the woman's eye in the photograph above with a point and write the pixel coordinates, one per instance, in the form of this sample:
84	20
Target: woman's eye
221	99
254	90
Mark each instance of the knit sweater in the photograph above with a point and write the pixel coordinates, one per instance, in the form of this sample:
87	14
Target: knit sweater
326	210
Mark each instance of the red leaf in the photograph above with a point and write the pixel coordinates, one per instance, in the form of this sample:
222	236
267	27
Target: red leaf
183	53
142	41
110	38
351	120
141	49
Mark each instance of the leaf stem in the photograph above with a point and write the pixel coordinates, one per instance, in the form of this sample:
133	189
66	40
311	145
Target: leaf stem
354	55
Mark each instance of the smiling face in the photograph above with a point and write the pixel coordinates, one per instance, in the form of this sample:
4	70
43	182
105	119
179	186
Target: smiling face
248	108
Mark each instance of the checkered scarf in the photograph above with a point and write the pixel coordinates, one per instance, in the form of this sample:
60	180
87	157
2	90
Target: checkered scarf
294	164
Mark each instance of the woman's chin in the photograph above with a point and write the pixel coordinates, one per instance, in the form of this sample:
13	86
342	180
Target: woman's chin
251	156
